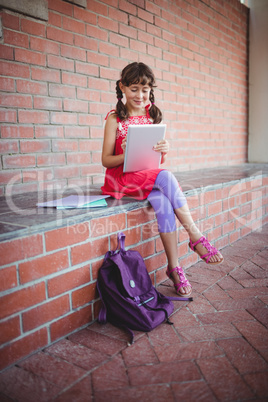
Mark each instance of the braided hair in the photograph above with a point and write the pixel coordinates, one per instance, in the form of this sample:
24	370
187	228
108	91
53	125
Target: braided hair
137	73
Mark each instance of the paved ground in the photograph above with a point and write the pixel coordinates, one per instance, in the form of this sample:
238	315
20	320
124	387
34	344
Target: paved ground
217	349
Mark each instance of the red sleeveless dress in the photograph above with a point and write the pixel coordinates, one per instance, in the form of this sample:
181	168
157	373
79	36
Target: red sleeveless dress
137	185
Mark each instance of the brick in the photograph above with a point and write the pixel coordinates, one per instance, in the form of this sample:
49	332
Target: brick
50	159
146	249
6	52
73	53
127	7
137	23
47	103
7	84
64	145
72	25
44	46
54	19
8	116
57	5
43	266
140	216
85	43
20	249
17	132
16	39
258	383
21	299
84	295
109	24
58	35
10	100
72	234
89	251
58	371
218	372
254	332
30	57
77	132
8	278
9	329
87	69
78	158
242	356
31	87
33	117
109	49
60	63
11	21
75	106
14	70
33	28
10	146
40	74
68	324
63	118
89	145
23	347
164	373
85	16
46	312
215	208
49	131
104	226
74	79
61	91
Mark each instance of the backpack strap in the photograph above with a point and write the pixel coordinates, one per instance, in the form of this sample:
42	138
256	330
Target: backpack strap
121	241
180	298
102	317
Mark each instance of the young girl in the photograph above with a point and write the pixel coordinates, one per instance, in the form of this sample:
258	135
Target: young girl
159	186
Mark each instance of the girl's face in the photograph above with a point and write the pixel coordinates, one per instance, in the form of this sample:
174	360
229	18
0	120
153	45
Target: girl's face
137	95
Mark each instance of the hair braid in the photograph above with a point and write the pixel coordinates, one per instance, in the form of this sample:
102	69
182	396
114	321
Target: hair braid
121	109
154	111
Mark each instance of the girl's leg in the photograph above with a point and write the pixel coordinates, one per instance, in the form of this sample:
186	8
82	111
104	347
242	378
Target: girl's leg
169	241
168	185
184	215
168	234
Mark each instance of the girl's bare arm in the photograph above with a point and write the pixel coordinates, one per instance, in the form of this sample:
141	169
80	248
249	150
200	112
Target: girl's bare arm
109	160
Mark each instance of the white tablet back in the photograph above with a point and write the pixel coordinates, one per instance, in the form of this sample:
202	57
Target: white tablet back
139	154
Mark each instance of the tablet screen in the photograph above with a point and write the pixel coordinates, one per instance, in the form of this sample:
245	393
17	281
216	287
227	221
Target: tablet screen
139	154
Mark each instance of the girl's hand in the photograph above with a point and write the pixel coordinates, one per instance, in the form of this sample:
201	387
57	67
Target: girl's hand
162	146
123	145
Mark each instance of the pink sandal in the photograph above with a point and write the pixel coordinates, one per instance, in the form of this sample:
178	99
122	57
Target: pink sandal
183	281
211	250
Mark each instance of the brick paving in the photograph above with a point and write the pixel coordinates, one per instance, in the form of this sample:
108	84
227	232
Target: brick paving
217	349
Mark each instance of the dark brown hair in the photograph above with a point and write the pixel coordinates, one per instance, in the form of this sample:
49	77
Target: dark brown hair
137	73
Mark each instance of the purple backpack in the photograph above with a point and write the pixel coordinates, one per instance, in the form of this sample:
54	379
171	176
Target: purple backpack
129	299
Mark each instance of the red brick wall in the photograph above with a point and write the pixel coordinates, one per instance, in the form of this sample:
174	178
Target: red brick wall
58	78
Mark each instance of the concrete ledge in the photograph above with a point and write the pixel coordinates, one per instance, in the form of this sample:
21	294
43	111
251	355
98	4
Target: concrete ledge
34	8
19	215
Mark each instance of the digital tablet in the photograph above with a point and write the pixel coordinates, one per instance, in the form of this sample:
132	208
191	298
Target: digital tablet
139	154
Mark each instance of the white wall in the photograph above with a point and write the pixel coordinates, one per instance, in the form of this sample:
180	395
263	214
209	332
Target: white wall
258	81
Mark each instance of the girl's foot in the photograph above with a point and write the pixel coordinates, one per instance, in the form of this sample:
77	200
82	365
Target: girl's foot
181	283
206	251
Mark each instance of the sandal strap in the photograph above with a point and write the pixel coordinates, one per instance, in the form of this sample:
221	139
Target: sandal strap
183	280
169	271
205	243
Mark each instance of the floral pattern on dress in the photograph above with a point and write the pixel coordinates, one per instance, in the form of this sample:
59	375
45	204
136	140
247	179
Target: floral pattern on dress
123	125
